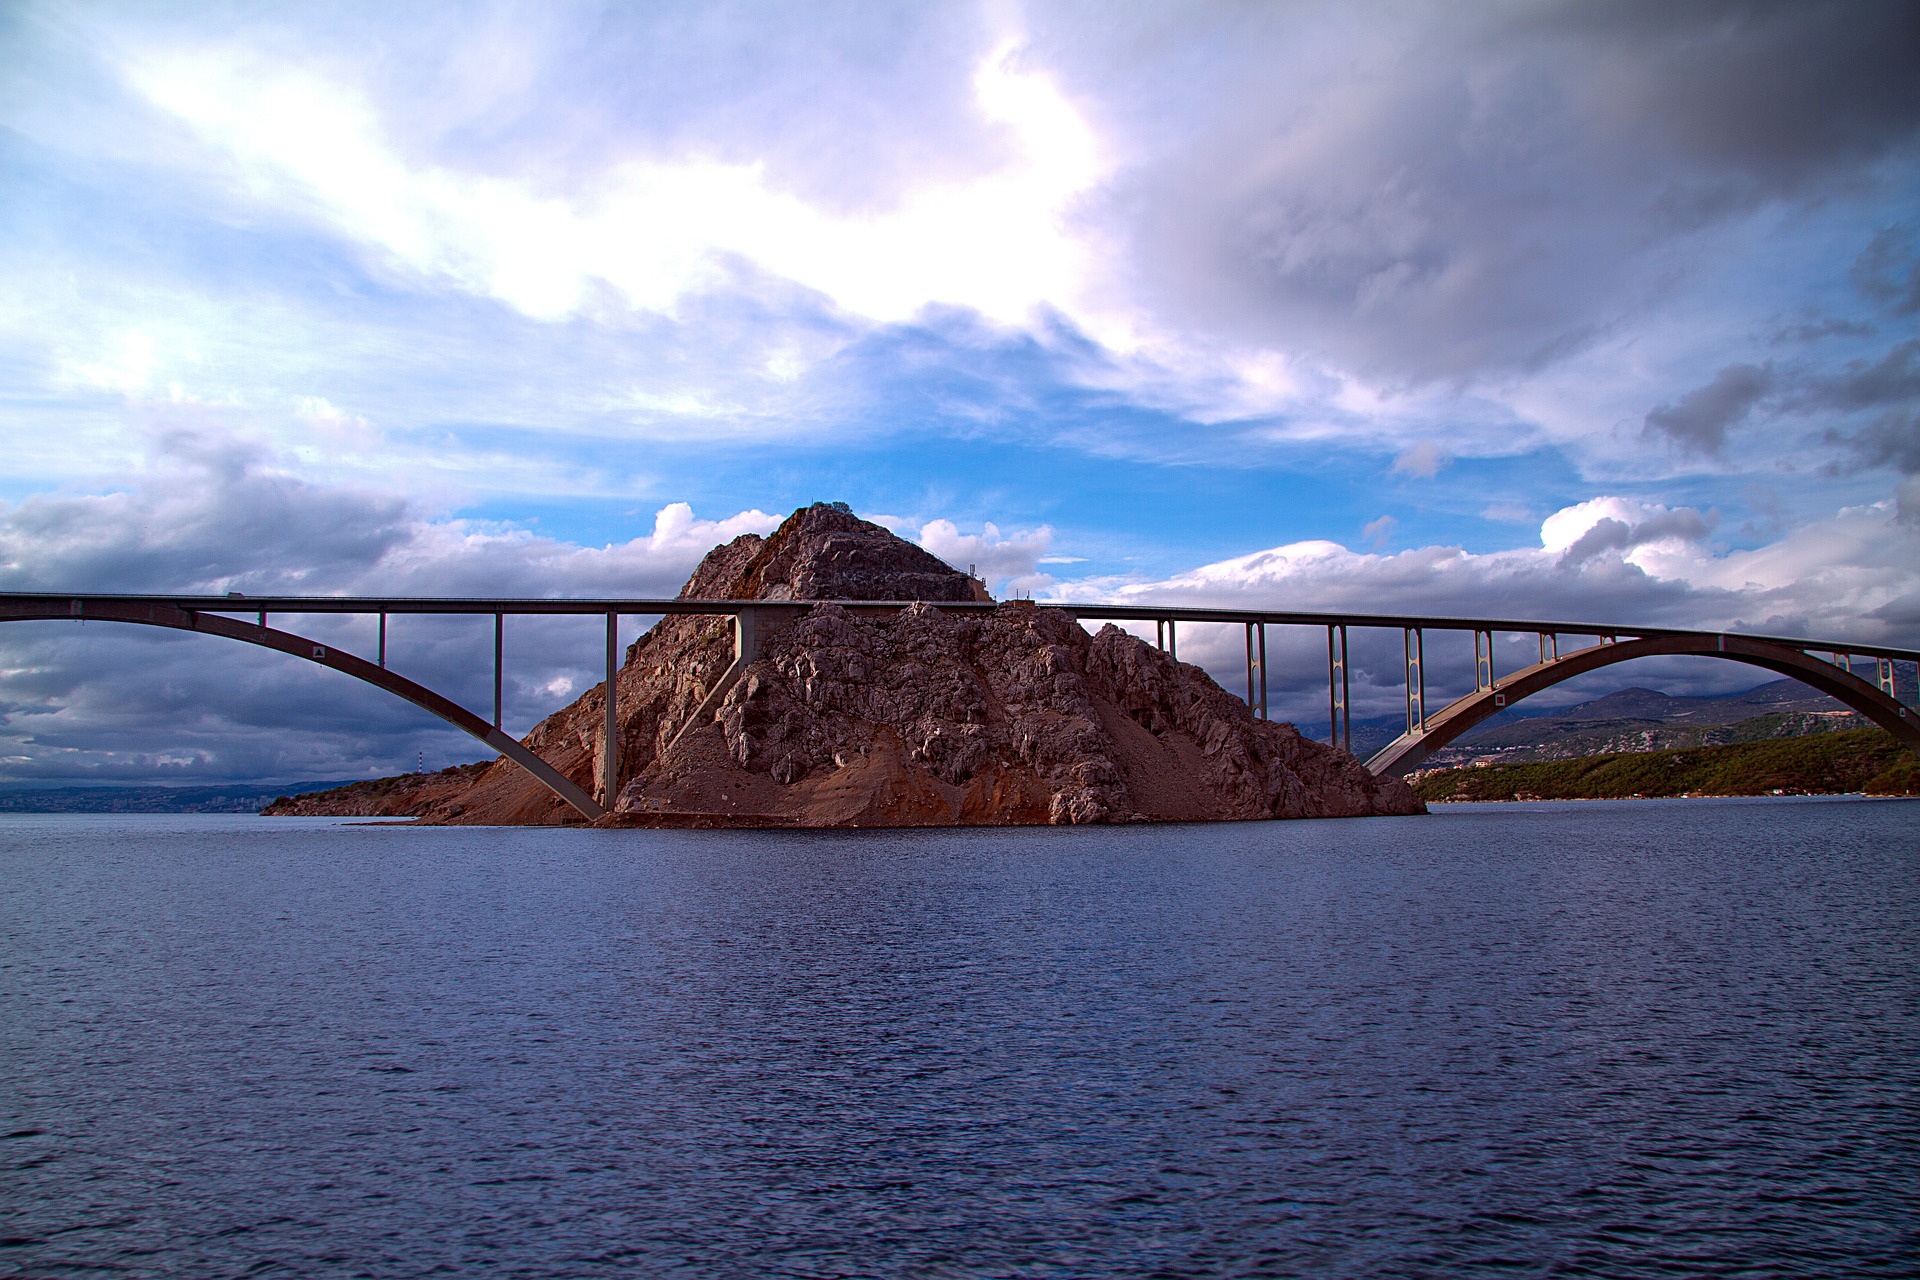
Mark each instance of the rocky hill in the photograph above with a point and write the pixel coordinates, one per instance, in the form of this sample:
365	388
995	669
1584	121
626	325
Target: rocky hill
910	717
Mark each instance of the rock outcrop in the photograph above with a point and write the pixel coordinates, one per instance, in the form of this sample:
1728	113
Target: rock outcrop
911	717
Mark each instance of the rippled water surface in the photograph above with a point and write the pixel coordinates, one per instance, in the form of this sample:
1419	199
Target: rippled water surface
1642	1038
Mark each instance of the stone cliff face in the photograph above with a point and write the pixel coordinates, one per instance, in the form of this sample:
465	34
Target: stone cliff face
912	717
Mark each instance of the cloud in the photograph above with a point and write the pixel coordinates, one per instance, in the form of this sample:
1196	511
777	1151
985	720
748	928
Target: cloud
1419	234
1375	532
117	702
1892	379
1583	531
1892	440
1892	383
1453	192
1423	460
1008	562
655	229
1907	501
1853	576
1509	513
1888	269
1698	421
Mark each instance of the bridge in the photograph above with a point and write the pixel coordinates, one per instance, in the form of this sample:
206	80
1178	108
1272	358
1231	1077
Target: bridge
1832	667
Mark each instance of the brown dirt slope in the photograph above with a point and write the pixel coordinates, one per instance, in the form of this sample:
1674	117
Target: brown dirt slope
917	717
402	797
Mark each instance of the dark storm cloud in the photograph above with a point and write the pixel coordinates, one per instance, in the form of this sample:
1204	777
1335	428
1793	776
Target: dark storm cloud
1468	189
106	701
1892	440
1779	92
1888	271
1698	421
1890	385
1893	379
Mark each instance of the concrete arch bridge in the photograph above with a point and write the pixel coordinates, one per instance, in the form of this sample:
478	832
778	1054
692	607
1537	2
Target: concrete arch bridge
1832	667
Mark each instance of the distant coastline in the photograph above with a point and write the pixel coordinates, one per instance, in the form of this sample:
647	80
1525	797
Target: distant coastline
1862	761
232	797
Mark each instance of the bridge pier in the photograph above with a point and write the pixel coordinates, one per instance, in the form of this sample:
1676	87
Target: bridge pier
1339	715
610	746
499	643
1416	651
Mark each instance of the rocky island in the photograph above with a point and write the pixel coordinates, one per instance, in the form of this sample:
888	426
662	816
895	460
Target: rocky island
908	717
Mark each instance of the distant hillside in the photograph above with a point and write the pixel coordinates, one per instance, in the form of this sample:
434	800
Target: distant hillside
1632	720
402	796
238	797
1857	760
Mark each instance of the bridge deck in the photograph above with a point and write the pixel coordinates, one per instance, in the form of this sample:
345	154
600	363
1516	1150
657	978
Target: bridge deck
10	601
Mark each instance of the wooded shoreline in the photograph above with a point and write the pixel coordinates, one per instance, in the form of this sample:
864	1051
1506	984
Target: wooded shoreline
1864	761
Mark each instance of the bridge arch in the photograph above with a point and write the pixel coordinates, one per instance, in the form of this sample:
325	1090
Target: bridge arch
166	615
1409	750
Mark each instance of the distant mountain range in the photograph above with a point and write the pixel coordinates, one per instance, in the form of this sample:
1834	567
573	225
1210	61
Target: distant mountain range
231	797
1645	720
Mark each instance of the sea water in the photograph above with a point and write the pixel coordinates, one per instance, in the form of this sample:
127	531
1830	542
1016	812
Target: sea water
1620	1039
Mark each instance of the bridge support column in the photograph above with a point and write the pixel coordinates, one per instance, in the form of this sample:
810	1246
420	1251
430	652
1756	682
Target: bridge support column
1262	670
1257	669
1482	660
610	745
1883	668
383	642
1416	647
1339	717
499	643
1251	704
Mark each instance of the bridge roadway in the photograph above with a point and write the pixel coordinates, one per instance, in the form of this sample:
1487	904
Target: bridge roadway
1833	674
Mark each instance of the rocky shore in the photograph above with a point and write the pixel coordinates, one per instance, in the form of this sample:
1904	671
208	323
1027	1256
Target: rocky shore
911	717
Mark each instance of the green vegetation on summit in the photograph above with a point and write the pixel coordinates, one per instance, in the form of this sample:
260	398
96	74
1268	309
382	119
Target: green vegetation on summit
1858	760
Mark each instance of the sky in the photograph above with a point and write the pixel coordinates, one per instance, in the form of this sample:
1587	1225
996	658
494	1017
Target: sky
1565	310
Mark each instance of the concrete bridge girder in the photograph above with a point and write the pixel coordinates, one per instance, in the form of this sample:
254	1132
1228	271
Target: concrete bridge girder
1408	751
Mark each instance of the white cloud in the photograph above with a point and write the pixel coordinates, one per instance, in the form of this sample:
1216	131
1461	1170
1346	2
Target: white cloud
660	229
1009	562
1854	576
1845	577
1648	534
1422	459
